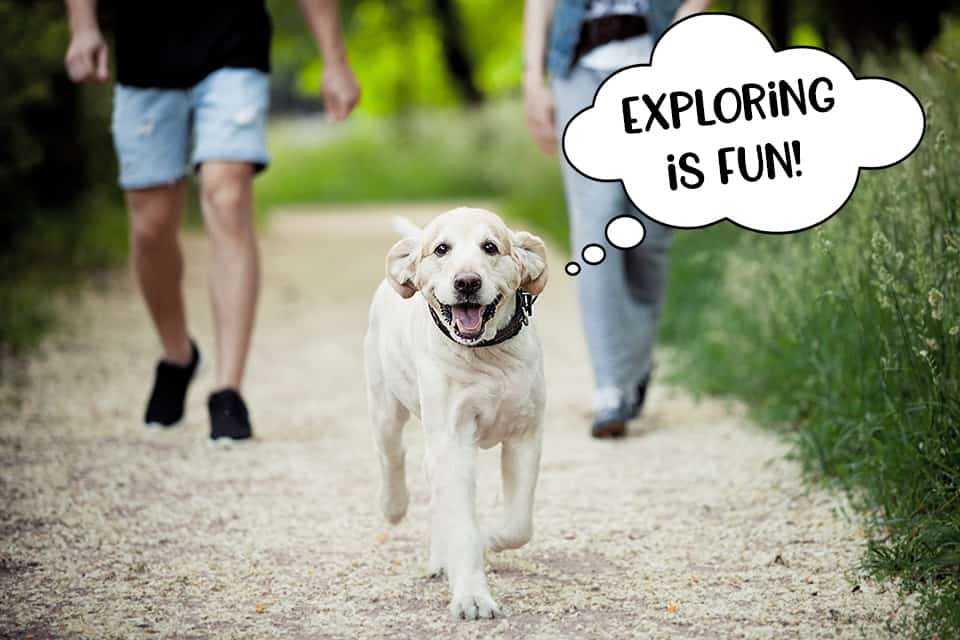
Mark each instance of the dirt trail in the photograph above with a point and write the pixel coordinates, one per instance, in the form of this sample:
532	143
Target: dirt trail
695	527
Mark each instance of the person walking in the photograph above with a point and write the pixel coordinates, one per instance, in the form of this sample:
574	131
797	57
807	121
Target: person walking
197	70
570	47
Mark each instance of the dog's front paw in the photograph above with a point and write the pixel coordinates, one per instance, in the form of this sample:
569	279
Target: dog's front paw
394	499
474	606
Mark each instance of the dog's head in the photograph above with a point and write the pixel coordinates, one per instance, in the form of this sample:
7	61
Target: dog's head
468	265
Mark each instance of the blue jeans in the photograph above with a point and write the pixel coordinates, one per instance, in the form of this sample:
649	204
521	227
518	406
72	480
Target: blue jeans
620	298
225	114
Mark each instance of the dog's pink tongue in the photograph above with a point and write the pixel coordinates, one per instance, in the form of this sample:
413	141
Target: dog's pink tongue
468	317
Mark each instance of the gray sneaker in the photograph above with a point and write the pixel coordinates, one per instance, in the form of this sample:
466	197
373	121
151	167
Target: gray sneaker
612	409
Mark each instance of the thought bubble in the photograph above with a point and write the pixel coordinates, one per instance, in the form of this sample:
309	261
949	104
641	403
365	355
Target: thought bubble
593	254
720	126
623	232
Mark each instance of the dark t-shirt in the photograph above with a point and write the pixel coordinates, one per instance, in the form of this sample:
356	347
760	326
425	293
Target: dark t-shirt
175	44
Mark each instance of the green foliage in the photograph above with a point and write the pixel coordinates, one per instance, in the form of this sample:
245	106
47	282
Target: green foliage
496	39
478	155
395	49
32	53
55	250
849	338
55	154
54	136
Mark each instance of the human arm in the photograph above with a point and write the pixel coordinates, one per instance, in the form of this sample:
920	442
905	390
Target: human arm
691	7
87	57
537	97
339	87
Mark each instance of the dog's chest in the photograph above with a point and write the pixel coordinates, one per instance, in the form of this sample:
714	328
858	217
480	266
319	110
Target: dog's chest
505	406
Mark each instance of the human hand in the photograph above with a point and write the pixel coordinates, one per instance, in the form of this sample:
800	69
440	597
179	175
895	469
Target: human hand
540	112
87	57
340	89
689	8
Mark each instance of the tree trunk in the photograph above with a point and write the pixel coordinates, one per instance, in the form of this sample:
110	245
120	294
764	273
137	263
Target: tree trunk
455	54
778	12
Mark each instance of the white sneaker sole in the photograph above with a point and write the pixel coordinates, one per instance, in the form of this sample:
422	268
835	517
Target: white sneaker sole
228	443
156	427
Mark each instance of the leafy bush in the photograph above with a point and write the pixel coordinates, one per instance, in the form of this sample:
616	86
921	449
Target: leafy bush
850	336
54	152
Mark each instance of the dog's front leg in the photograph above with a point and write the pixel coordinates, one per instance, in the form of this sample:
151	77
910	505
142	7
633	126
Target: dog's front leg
520	467
456	535
437	567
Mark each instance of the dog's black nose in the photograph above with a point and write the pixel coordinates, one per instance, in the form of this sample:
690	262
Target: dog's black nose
467	283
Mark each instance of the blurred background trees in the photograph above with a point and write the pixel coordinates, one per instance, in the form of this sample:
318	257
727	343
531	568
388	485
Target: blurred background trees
409	54
414	53
62	212
52	147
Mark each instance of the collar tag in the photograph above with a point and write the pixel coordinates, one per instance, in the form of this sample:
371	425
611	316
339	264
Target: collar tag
525	302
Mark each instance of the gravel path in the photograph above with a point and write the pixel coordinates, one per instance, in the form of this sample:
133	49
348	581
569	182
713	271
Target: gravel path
697	526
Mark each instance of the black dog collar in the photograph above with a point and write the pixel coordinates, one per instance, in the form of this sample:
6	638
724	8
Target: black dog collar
521	317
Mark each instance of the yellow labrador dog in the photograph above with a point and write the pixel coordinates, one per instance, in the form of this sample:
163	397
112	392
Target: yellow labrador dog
464	358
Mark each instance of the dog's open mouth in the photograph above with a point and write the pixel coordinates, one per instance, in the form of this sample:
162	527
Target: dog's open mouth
468	319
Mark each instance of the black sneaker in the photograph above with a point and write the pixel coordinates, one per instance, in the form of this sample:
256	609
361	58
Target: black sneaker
165	407
229	419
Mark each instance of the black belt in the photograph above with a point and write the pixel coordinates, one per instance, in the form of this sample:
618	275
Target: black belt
600	31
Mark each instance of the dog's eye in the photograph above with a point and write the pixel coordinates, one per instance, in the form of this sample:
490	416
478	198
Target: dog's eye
441	249
490	249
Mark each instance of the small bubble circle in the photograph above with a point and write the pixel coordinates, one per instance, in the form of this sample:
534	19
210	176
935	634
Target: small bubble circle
593	254
625	232
572	268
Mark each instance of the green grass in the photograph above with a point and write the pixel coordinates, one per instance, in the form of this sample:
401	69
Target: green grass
467	156
847	338
52	254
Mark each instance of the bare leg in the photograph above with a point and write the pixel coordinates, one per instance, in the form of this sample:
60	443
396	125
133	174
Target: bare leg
155	216
520	466
227	198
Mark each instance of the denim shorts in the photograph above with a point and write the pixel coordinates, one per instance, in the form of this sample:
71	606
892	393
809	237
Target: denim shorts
224	116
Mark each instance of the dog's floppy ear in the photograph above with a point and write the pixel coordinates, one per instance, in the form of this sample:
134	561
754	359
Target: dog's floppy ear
402	266
531	253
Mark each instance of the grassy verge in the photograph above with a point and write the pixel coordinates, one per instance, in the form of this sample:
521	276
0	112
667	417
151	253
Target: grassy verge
52	253
848	338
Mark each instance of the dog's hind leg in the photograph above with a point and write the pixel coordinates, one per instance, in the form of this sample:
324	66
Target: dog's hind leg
388	417
520	466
